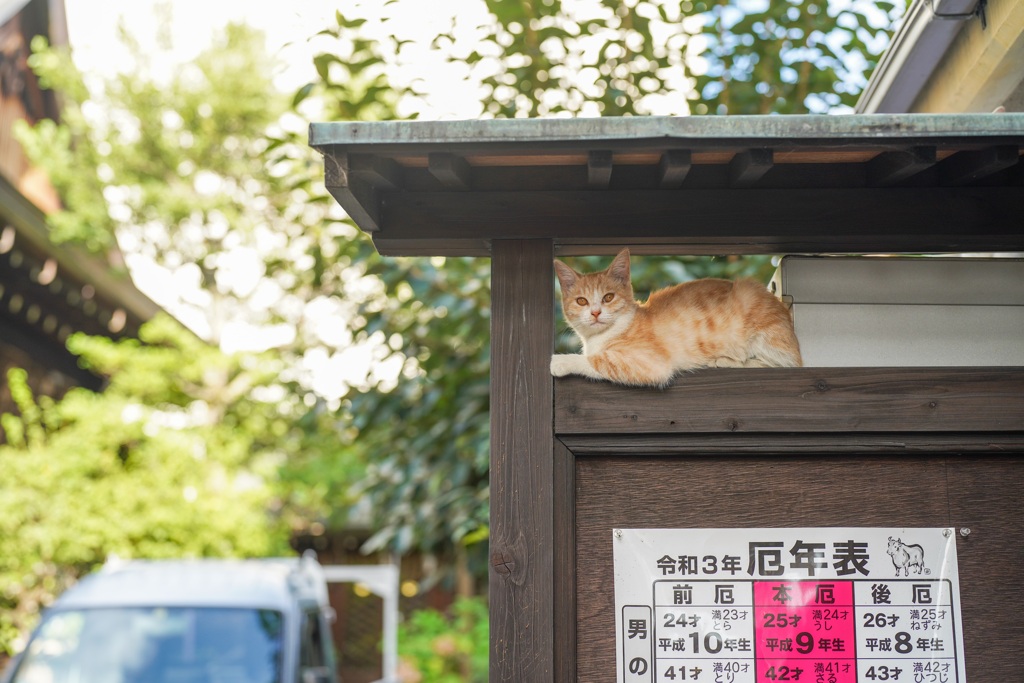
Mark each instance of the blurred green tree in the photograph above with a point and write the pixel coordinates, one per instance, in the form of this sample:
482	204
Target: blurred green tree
793	57
424	434
427	438
175	458
450	646
626	57
192	171
191	450
203	174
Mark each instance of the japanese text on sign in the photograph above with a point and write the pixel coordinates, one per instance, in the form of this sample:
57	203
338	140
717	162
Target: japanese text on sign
824	605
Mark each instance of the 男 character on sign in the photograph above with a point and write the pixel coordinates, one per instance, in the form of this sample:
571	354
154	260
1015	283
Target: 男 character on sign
638	628
905	556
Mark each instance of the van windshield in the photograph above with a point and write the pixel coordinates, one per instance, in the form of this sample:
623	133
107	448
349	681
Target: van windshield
155	645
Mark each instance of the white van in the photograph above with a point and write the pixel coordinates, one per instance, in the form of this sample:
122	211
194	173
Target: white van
188	621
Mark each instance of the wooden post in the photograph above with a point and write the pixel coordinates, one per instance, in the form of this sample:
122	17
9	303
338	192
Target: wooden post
522	465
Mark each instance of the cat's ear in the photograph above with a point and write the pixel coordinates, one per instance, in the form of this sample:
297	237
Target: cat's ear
619	269
566	276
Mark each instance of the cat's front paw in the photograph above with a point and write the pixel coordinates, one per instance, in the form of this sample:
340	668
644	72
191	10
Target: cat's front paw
563	364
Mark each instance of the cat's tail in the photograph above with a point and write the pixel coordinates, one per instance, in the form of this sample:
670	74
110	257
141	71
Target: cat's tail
777	348
772	340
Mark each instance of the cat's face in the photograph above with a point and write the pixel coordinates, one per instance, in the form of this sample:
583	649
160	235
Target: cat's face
592	302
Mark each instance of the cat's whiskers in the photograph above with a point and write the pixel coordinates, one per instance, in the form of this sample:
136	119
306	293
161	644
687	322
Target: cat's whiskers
598	339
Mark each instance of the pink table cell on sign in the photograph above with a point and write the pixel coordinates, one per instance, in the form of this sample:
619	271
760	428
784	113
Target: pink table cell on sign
804	631
806	671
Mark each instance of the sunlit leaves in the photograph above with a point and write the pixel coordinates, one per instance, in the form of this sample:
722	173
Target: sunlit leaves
613	57
191	170
790	57
427	437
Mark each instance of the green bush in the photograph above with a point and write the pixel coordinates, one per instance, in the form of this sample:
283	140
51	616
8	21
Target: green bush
452	647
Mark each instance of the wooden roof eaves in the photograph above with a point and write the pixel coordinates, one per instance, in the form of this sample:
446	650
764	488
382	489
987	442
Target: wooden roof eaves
875	183
30	226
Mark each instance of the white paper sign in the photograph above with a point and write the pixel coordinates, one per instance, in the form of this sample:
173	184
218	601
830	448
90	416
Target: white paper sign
817	605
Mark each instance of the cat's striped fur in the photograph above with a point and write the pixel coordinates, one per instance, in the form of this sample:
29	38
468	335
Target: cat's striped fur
703	323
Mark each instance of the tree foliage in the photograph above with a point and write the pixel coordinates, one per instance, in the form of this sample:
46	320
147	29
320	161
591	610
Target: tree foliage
606	57
208	175
173	459
625	57
792	57
424	432
427	439
156	151
190	450
447	647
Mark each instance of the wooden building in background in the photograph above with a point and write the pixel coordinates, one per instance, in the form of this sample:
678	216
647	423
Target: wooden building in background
47	291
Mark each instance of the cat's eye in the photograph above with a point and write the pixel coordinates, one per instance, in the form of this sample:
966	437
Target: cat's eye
581	301
608	297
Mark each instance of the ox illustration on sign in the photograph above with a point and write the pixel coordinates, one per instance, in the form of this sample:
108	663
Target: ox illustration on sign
906	556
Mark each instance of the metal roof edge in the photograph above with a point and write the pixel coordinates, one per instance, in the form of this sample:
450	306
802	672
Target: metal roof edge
912	57
696	128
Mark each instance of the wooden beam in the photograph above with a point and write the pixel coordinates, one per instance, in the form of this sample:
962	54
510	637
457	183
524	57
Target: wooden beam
453	171
816	444
377	171
890	168
599	169
847	400
675	164
749	221
747	167
564	580
964	168
523	474
358	198
76	264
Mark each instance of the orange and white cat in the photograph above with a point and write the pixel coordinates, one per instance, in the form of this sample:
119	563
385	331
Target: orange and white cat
704	323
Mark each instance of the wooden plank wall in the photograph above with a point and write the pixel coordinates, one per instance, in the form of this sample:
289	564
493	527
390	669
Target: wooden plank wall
859	447
699	491
754	221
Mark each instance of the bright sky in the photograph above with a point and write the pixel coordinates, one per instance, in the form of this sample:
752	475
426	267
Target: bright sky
288	26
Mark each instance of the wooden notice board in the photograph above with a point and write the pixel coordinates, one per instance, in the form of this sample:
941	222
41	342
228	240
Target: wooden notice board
773	478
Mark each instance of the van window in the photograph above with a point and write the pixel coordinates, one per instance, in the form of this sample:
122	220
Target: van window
155	645
312	651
